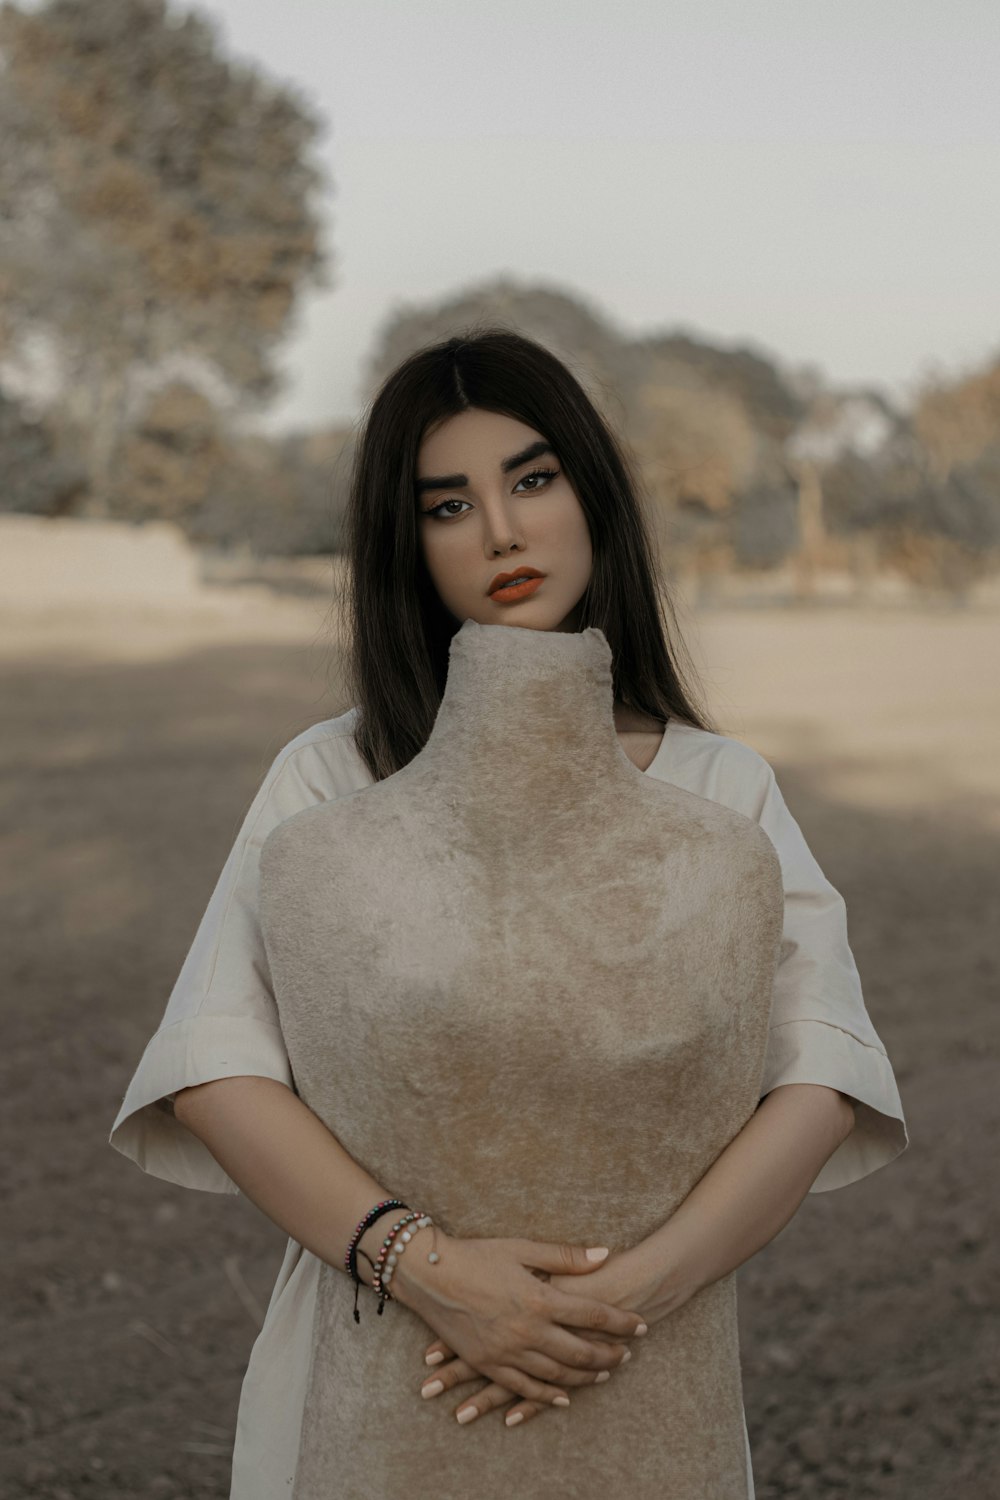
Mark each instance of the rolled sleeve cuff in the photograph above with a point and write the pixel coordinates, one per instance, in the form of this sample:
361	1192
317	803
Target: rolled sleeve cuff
195	1050
810	1051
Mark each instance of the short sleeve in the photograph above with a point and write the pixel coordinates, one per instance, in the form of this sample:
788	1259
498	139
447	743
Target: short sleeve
221	1019
820	1031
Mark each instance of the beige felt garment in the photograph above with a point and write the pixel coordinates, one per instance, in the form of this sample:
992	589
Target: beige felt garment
221	1020
528	988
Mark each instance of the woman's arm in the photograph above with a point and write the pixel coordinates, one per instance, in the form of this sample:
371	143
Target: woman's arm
283	1158
281	1155
747	1195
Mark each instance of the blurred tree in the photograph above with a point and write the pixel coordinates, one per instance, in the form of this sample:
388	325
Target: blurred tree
600	358
940	533
770	401
156	204
40	476
697	442
171	459
277	497
842	446
854	494
702	423
765	524
956	504
956	423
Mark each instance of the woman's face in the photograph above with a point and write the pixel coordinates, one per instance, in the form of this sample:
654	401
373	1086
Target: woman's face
486	514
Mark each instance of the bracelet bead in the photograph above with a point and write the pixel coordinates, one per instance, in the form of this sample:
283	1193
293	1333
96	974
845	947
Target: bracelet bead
392	1247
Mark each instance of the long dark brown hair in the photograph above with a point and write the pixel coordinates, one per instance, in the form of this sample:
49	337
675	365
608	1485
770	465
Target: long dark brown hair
398	630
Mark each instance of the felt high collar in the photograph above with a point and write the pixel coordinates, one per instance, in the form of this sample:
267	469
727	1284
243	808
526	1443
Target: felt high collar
530	713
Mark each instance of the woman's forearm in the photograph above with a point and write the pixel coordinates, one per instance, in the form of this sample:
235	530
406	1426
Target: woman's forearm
283	1158
747	1195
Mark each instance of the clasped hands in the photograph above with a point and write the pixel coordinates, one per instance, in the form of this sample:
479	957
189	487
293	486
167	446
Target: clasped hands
518	1313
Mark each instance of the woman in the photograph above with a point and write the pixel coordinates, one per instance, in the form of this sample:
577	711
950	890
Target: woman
407	855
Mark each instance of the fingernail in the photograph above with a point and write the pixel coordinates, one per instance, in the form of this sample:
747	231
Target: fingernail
626	1356
560	1400
514	1418
433	1388
598	1253
433	1359
467	1413
602	1375
641	1329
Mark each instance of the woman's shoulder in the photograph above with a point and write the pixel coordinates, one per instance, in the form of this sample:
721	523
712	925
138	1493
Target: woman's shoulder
323	758
695	743
714	765
340	727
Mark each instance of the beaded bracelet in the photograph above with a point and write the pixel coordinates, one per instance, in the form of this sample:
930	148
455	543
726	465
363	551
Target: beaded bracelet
350	1259
390	1251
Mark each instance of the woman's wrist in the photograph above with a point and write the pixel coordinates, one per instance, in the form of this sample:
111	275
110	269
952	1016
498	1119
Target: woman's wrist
368	1246
646	1288
412	1269
623	1279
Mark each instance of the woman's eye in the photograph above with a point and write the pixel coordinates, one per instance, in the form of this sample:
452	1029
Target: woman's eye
433	510
540	474
546	474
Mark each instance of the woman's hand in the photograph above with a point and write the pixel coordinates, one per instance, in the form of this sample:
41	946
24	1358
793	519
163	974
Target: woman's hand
525	1336
453	1371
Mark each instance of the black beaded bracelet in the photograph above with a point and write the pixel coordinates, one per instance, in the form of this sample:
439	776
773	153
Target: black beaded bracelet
350	1259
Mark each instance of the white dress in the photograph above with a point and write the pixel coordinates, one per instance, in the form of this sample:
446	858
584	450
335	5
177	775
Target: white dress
221	1020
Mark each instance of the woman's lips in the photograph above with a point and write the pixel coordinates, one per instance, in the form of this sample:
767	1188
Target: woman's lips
511	592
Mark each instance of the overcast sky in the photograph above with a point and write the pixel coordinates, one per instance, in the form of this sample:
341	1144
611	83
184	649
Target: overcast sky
820	178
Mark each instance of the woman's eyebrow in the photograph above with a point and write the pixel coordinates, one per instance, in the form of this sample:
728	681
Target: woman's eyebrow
458	481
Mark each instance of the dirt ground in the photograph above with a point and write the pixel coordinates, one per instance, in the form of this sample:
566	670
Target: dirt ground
133	741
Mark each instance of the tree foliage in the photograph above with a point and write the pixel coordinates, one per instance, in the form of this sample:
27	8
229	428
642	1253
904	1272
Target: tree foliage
157	204
226	489
750	465
958	423
601	358
41	476
704	423
744	374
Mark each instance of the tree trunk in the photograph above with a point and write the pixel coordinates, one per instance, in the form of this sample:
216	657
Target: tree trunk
97	405
812	533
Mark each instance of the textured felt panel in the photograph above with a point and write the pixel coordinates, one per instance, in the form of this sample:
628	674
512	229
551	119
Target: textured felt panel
528	988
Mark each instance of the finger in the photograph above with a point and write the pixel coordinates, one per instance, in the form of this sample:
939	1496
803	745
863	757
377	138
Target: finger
528	1389
447	1377
550	1377
594	1317
575	1355
436	1352
560	1257
521	1411
543	1367
514	1381
593	1336
493	1397
459	1371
